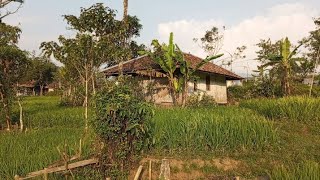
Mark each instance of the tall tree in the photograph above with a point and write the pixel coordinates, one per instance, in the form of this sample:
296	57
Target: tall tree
13	65
98	41
42	72
212	41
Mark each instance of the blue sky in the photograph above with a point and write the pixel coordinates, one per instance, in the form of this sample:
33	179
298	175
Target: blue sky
247	21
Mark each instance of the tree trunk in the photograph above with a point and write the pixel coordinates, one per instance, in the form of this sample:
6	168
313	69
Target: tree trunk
5	104
41	90
20	118
125	10
86	100
185	92
93	84
286	82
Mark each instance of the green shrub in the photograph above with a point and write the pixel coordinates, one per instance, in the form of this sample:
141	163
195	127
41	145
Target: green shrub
290	108
121	124
198	100
207	129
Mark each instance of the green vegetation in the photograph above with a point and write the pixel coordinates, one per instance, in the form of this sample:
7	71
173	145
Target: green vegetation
257	146
306	170
211	129
291	108
121	124
49	126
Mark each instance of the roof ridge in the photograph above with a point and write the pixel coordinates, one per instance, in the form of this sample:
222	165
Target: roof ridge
134	59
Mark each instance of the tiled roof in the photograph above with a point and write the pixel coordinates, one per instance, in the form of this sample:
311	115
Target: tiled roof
146	63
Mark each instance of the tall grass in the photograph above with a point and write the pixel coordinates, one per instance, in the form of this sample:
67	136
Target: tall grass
307	170
290	108
43	112
49	126
21	153
211	129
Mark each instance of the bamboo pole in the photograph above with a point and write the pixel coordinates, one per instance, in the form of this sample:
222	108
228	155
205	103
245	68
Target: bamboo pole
58	169
136	177
150	170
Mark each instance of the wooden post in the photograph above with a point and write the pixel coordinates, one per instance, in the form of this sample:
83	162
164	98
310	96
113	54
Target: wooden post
165	170
136	177
16	177
45	174
150	170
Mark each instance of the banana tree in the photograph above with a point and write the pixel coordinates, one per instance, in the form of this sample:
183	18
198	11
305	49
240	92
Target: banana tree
170	58
166	56
188	72
284	62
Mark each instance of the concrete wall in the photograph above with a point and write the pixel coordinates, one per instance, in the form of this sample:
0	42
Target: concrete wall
218	87
159	93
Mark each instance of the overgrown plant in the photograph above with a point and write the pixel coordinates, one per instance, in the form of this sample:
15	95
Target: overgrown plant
170	58
283	62
13	63
121	124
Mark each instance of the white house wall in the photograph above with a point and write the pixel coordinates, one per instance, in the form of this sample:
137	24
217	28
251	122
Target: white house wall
161	95
218	87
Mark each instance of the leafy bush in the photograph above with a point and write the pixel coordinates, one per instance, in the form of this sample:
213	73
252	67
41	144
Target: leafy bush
121	124
291	108
219	128
198	100
251	90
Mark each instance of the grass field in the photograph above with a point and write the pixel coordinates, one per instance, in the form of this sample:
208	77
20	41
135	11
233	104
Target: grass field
212	129
49	126
254	137
290	108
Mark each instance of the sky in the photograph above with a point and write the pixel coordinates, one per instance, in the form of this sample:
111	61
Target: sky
246	22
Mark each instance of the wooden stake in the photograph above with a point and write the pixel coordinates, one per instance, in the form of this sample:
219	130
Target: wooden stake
150	170
136	177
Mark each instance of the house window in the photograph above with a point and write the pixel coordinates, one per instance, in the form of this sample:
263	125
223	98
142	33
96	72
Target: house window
195	86
208	83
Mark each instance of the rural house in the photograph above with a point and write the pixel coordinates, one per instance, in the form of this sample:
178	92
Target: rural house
212	78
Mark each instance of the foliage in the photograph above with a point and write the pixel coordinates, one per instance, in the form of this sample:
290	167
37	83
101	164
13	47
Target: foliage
212	41
121	124
208	129
305	170
13	64
97	42
282	61
290	108
42	71
259	89
313	42
201	100
170	58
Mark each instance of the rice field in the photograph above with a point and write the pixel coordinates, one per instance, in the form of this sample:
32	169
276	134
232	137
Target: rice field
211	129
245	132
49	126
305	170
291	108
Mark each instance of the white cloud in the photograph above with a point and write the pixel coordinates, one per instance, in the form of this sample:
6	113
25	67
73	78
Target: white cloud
291	20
